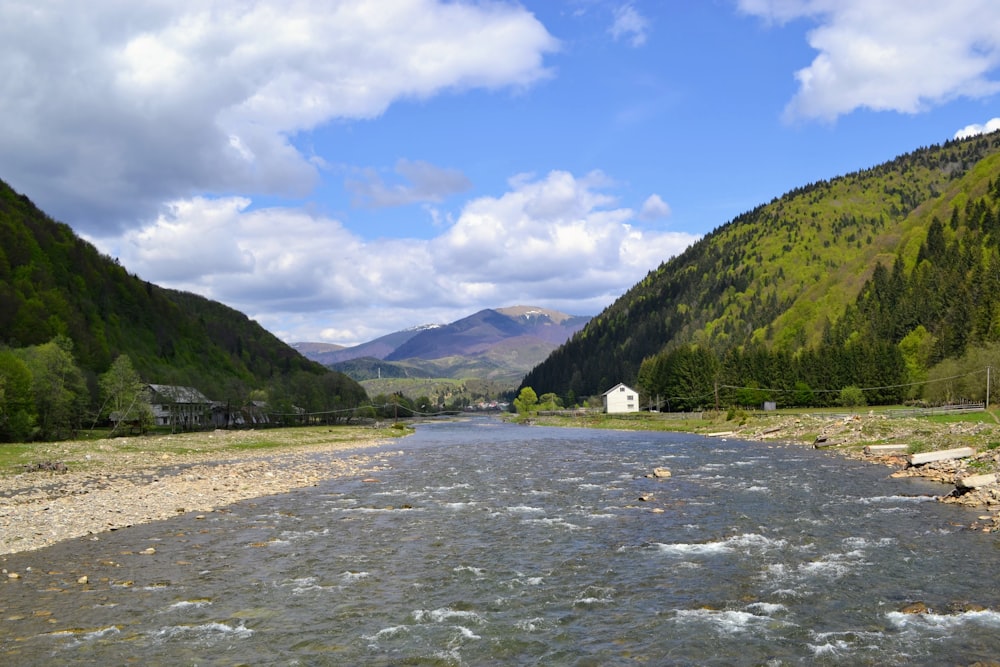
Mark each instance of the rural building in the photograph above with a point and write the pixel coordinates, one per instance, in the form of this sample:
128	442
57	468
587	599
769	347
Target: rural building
253	413
185	407
621	398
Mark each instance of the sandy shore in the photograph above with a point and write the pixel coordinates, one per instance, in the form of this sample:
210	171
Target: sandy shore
119	483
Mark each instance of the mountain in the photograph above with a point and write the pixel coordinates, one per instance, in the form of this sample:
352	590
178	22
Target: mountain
478	334
52	283
380	348
316	348
499	343
800	277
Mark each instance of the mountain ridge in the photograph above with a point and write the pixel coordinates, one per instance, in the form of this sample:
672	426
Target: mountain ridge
54	283
501	342
780	275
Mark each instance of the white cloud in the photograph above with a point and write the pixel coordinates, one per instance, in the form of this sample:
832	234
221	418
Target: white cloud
887	56
559	241
992	125
109	108
629	24
654	208
425	183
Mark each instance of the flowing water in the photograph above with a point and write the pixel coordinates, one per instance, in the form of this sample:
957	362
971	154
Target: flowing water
488	543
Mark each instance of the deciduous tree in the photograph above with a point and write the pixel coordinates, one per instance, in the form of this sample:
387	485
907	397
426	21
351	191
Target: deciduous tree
58	387
526	401
125	396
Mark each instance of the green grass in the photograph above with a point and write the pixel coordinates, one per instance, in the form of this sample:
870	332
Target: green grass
14	455
987	417
633	422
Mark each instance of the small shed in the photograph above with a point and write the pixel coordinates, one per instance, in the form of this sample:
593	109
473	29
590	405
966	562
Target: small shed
620	398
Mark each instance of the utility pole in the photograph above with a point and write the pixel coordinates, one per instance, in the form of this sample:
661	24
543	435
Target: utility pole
987	387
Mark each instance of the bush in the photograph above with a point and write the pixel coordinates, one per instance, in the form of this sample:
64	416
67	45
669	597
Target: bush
736	413
852	397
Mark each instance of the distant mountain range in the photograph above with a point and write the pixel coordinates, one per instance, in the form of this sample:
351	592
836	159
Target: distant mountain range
501	343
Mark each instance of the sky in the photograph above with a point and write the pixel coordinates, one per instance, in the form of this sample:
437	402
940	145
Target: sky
342	169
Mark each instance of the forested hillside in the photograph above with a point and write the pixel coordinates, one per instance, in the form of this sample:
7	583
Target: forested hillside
55	284
869	280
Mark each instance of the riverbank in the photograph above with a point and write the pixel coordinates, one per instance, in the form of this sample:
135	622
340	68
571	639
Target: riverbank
51	492
853	435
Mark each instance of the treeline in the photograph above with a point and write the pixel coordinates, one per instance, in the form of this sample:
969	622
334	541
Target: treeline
917	334
691	378
45	394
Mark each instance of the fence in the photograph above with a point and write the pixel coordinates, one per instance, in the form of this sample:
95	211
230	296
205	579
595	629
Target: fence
940	410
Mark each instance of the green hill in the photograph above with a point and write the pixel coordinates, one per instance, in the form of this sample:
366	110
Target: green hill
52	283
789	278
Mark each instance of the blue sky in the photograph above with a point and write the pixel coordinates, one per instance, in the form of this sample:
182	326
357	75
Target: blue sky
342	169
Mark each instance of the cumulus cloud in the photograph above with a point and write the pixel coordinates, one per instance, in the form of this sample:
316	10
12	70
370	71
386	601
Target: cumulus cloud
109	108
424	183
559	241
884	56
992	125
629	25
654	208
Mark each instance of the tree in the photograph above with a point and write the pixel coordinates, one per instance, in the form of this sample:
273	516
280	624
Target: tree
57	384
549	401
752	396
803	395
17	405
526	401
917	348
125	396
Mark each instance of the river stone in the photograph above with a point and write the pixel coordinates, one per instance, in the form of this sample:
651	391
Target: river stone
915	608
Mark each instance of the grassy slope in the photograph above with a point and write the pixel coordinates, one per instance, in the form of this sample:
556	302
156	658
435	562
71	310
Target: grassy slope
777	274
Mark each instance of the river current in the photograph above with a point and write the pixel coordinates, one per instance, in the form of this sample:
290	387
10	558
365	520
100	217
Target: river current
488	543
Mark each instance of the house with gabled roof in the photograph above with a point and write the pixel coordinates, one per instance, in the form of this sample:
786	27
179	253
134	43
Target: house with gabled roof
619	399
173	405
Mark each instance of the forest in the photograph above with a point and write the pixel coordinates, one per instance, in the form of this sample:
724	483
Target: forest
883	283
68	313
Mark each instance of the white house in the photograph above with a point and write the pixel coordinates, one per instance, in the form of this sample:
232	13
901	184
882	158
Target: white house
621	398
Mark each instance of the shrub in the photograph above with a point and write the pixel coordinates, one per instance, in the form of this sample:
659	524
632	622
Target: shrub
852	397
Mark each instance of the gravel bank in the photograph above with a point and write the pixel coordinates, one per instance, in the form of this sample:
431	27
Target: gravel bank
117	484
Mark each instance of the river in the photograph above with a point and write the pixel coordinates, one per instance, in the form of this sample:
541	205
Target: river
490	543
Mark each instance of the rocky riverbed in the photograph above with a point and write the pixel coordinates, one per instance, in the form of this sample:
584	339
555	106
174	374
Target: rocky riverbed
74	489
854	436
860	435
